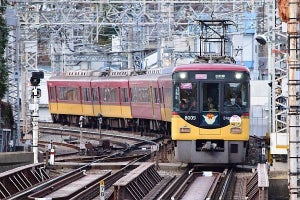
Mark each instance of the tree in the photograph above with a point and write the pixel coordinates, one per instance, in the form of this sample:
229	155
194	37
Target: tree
3	42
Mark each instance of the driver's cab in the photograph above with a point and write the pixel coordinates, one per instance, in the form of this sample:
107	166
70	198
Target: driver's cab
236	97
211	97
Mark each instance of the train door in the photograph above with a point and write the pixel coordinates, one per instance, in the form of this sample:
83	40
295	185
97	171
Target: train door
210	102
96	100
81	100
163	104
124	99
155	101
151	99
87	101
53	102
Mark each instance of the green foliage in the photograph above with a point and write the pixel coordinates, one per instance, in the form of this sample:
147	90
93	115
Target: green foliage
106	35
7	115
3	42
3	78
6	110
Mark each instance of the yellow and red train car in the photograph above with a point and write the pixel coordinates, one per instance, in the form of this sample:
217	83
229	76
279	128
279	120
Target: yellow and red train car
111	99
210	119
123	101
69	97
203	107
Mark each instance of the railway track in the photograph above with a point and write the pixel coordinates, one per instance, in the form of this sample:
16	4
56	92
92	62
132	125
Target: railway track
81	183
138	179
208	185
72	135
126	145
111	141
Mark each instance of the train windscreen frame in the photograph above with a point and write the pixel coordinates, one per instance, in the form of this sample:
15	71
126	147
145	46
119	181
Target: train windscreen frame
225	91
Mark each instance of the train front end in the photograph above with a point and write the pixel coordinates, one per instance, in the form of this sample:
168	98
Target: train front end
210	113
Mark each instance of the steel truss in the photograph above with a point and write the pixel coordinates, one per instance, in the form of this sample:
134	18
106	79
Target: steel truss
68	32
278	76
294	97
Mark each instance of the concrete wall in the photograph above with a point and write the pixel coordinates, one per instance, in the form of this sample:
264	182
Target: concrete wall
11	160
259	111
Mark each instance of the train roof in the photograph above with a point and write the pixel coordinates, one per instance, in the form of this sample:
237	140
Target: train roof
73	78
110	78
211	67
146	77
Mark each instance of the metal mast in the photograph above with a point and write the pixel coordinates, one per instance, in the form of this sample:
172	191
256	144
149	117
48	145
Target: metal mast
294	99
68	33
277	71
12	56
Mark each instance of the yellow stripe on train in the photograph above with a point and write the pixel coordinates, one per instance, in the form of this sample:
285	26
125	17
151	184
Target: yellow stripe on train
91	110
182	130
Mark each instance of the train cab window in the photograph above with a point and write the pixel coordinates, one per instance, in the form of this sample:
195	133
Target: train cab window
210	96
236	95
185	96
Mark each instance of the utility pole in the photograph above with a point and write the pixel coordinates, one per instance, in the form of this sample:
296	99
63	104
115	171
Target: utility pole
293	92
81	145
36	93
35	125
100	123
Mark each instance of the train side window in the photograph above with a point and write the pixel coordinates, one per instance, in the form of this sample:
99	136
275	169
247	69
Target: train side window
72	94
160	95
109	95
234	148
62	94
140	94
95	94
68	93
114	97
167	95
146	95
156	95
52	93
132	94
124	94
86	94
101	90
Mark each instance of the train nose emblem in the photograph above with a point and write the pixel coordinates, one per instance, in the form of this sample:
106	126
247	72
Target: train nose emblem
235	121
210	118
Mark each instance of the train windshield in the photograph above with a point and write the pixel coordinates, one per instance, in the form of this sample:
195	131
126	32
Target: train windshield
236	96
185	96
212	96
200	96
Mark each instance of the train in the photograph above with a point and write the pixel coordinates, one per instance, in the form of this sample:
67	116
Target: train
213	125
203	107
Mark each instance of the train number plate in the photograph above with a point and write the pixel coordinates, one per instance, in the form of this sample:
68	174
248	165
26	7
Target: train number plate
190	117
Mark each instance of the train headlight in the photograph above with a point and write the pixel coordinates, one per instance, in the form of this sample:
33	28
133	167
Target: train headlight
238	75
183	75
